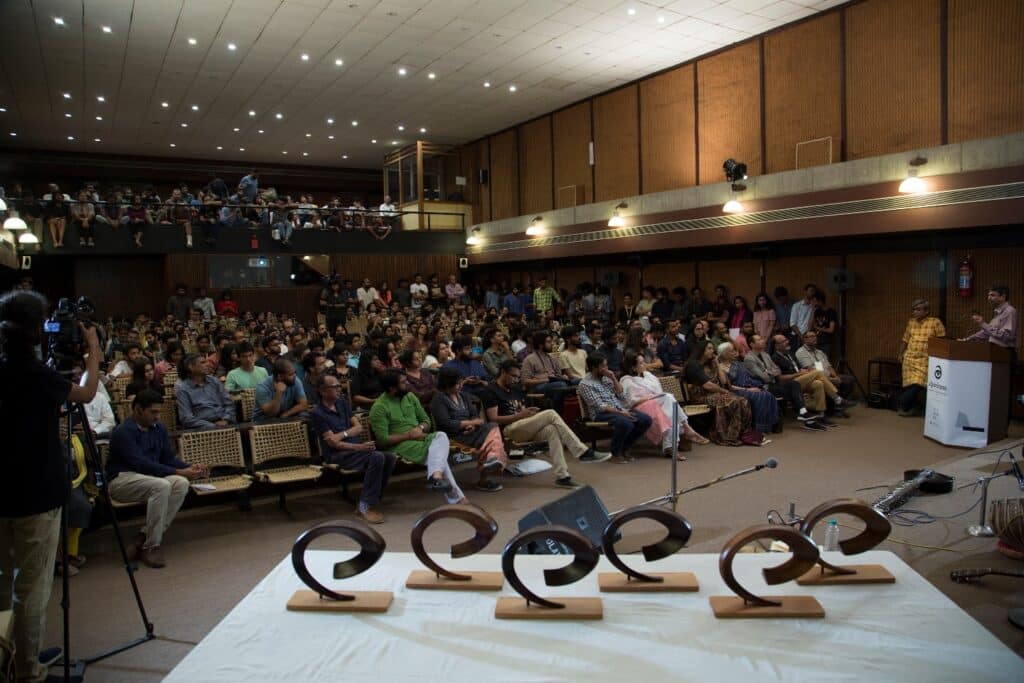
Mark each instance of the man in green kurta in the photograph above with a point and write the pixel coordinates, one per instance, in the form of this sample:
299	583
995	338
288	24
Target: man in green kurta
400	425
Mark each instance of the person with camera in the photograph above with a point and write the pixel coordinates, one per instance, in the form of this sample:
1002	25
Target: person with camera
142	468
34	484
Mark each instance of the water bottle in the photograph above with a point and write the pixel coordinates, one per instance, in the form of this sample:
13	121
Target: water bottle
832	535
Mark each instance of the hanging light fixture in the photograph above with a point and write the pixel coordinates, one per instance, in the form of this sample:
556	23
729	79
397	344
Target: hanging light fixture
14	222
912	184
536	227
28	238
617	221
474	237
3	205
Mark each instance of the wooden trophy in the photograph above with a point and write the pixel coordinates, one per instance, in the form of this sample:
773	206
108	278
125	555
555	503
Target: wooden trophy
440	578
630	580
876	530
585	558
321	598
750	606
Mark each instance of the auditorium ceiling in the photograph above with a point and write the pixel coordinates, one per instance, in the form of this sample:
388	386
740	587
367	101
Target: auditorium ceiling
318	81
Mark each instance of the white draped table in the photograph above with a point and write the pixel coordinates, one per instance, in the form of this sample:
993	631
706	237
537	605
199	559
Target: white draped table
907	631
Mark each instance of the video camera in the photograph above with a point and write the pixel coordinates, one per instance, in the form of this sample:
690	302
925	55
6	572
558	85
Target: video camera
64	336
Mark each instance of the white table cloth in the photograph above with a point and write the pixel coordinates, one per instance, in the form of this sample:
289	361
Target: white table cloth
907	631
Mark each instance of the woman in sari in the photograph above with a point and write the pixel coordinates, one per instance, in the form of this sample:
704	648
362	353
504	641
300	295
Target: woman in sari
763	406
731	412
643	392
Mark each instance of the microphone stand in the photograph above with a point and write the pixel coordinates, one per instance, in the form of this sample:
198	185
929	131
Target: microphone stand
982	528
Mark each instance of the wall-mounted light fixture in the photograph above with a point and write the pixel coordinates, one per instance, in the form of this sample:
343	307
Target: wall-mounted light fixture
912	184
474	237
14	222
617	221
536	228
734	170
734	205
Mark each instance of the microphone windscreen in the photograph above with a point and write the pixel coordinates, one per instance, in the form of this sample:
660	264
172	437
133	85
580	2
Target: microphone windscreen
771	463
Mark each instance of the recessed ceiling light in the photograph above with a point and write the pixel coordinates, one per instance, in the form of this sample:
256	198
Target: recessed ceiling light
96	140
164	105
99	118
101	98
344	156
305	57
631	11
67	115
661	20
373	141
330	121
71	137
237	129
284	151
252	112
402	71
173	145
219	147
401	127
67	96
59	21
14	135
394	142
305	154
279	115
3	110
309	135
241	149
431	75
195	107
330	137
338	62
260	131
355	123
487	84
423	130
184	125
107	29
232	46
512	88
191	41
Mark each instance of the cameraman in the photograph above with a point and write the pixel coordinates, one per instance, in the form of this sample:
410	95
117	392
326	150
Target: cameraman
35	473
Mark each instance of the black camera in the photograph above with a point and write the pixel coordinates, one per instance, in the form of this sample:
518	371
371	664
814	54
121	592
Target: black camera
64	336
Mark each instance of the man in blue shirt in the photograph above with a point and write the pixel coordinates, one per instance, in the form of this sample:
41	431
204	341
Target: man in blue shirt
279	395
476	377
338	431
513	302
802	313
142	468
672	350
202	399
249	186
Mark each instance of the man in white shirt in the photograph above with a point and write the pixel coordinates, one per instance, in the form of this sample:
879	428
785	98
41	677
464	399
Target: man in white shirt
204	304
810	356
419	291
366	294
802	313
387	212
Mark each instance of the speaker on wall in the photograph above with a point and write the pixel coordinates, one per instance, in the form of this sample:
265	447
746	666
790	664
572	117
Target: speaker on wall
839	279
580	510
483	176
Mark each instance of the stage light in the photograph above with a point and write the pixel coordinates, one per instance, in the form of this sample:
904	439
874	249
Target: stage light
536	227
617	221
474	237
423	130
67	96
279	116
195	107
734	170
512	88
402	71
912	184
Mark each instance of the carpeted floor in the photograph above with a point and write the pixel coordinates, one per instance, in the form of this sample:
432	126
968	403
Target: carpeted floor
217	555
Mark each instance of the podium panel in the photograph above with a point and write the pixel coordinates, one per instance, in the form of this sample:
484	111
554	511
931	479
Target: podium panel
967	393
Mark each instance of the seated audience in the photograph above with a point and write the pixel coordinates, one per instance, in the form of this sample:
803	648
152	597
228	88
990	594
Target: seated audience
366	383
573	357
421	382
338	431
456	413
125	366
825	395
672	350
143	377
642	392
279	395
400	425
271	353
142	468
247	375
473	372
173	353
605	402
810	356
762	368
202	400
732	418
763	406
542	372
497	352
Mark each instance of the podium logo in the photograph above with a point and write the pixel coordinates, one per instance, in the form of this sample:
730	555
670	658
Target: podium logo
938	372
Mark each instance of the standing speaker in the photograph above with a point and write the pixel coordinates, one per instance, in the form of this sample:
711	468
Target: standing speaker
580	510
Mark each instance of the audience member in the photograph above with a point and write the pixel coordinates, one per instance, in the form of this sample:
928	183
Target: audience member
760	365
271	353
455	412
247	375
420	381
642	392
732	417
734	376
178	304
544	297
279	395
474	375
603	395
202	400
810	356
543	373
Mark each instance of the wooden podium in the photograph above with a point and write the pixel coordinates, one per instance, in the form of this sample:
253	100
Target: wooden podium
968	392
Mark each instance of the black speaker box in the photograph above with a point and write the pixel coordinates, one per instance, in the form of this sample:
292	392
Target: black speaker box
580	510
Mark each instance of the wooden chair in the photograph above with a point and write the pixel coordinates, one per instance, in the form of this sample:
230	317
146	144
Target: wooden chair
119	387
169	413
122	409
671	385
248	403
221	451
347	476
591	429
287	442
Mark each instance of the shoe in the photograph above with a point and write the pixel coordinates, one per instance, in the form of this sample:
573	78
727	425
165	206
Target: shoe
58	568
153	557
50	655
76	560
679	454
81	243
492	463
441	485
805	416
840	413
489	486
699	440
568	483
620	460
826	422
777	427
134	547
594	456
371	516
849	403
814	426
906	413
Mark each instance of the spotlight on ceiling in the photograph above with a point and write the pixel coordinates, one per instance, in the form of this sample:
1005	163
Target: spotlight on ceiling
536	227
912	184
474	237
617	221
734	170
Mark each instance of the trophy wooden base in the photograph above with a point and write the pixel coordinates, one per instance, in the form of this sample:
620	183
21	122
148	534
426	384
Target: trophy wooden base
866	573
365	601
673	582
576	609
792	607
481	581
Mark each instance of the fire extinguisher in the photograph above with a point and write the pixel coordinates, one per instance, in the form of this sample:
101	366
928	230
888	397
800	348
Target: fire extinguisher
254	243
965	278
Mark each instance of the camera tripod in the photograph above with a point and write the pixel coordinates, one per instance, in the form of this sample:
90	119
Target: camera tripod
74	670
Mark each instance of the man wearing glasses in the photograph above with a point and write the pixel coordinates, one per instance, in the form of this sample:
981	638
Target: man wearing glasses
338	431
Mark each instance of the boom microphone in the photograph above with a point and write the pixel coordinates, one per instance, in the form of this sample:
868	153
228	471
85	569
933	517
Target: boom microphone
1015	466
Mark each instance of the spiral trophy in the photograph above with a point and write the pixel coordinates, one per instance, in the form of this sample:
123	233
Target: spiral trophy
436	576
628	579
876	530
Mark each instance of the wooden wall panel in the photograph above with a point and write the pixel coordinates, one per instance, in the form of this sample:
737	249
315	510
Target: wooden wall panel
729	110
483	160
802	92
568	278
794	272
536	192
616	145
742	277
991	267
121	286
878	306
185	267
668	144
391	267
893	89
671	275
571	140
504	176
986	68
301	302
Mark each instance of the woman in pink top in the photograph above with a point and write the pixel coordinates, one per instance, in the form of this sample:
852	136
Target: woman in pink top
764	316
740	313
